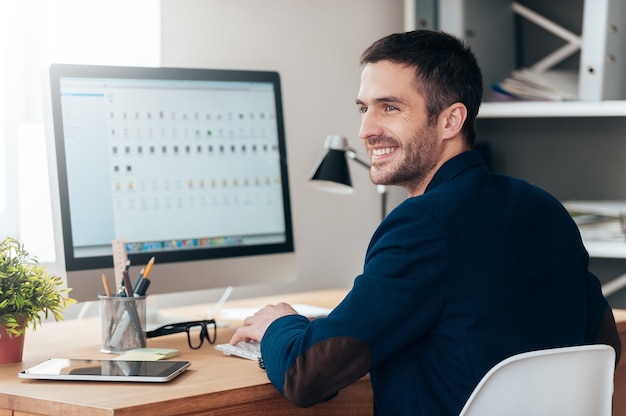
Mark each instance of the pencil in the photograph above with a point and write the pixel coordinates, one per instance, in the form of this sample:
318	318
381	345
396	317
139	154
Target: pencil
105	282
148	268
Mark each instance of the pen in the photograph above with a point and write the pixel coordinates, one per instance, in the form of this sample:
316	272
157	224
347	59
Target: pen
120	289
138	281
142	286
132	308
142	283
128	288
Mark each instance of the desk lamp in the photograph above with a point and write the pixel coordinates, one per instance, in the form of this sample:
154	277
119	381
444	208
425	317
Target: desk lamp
331	174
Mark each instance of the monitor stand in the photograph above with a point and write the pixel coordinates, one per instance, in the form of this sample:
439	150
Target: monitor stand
213	312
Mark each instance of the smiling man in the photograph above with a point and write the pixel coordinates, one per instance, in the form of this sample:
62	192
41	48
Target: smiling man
471	268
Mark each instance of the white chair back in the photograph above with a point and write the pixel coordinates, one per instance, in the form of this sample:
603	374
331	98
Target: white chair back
569	381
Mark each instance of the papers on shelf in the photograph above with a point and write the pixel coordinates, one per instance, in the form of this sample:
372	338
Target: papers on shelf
610	208
602	230
524	84
599	220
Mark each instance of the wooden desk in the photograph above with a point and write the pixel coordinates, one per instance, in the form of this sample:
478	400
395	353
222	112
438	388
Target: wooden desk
215	384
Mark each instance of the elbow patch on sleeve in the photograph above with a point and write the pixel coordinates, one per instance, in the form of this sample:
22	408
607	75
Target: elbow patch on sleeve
326	368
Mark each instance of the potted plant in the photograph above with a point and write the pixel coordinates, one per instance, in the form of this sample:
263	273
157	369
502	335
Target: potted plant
28	294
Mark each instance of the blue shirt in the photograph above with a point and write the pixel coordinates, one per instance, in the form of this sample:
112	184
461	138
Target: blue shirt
478	268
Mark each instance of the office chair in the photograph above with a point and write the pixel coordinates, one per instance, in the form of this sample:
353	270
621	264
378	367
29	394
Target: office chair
572	381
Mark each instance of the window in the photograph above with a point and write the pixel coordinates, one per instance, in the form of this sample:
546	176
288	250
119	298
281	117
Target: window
34	34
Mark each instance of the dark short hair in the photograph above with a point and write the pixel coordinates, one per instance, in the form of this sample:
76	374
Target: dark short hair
446	71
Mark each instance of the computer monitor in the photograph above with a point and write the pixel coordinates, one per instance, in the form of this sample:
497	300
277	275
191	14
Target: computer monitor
186	165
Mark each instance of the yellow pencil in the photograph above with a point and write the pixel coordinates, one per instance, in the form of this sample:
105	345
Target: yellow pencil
148	268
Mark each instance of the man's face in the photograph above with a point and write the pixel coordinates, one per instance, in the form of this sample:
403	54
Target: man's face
403	149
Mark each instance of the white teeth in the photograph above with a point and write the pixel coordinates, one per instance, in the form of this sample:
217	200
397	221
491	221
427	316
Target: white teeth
384	151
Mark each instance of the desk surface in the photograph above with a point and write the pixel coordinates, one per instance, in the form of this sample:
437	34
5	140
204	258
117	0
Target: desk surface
214	384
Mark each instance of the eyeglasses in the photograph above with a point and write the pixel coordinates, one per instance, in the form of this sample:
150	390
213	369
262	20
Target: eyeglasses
196	330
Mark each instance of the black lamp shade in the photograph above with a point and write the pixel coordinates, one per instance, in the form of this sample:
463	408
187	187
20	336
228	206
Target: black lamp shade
332	173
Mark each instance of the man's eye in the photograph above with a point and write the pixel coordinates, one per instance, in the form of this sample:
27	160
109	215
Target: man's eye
390	108
362	109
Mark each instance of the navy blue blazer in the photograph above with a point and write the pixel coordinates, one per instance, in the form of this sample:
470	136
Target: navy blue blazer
478	268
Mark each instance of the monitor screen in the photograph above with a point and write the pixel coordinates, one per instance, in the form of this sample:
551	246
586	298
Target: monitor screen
184	165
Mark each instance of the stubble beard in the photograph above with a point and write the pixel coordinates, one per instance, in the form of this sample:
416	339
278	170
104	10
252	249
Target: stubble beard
418	160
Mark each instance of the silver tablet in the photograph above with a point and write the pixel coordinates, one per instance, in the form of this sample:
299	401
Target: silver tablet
105	370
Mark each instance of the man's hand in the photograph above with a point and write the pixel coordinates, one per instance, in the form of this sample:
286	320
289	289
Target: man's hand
254	327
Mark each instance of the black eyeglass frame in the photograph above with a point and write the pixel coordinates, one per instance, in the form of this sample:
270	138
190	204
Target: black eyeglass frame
185	327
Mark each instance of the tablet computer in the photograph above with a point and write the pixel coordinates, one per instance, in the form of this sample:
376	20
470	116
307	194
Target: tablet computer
105	370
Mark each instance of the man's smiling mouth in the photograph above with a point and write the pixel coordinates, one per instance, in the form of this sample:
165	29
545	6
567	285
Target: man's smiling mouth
383	151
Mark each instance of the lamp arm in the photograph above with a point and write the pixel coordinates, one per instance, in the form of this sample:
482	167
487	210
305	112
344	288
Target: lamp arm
352	155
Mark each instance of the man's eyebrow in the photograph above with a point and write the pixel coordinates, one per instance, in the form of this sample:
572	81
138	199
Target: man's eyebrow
390	99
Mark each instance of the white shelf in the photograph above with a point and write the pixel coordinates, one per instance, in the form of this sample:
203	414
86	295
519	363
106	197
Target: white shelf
544	109
606	249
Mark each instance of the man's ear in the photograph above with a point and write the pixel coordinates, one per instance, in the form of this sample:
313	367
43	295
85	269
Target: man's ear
452	120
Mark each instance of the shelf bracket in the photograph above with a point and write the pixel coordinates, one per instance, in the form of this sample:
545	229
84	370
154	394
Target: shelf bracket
574	42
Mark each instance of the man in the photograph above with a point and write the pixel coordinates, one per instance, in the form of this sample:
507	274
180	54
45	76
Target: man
472	268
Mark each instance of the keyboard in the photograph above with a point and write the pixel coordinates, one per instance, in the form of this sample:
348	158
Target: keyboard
250	349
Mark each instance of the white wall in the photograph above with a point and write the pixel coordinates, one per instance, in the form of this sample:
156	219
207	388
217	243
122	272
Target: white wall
315	45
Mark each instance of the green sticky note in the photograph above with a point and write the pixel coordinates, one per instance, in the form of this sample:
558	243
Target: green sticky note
148	354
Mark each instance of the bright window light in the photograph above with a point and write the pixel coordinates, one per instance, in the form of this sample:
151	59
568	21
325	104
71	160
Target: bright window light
33	35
